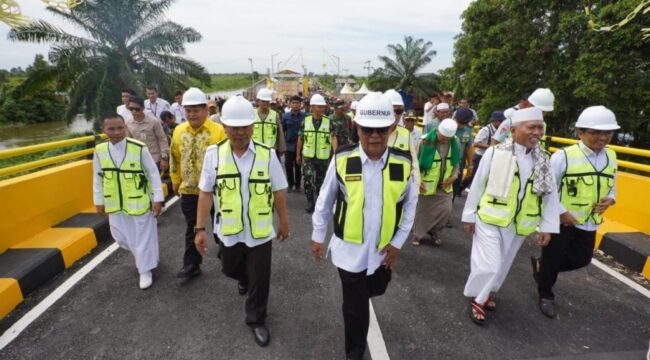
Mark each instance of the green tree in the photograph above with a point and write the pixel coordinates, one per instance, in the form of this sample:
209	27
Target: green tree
510	47
128	43
402	70
18	105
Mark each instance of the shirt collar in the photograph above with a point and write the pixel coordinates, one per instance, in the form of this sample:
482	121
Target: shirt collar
119	146
520	149
585	149
364	157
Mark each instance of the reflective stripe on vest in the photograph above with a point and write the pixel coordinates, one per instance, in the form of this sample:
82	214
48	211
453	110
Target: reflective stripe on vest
266	131
317	143
431	179
582	186
125	188
228	191
526	213
402	139
348	214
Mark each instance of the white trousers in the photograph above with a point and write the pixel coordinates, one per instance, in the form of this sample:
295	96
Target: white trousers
139	235
493	251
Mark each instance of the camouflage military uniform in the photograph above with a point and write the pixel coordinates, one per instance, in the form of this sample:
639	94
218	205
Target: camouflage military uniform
340	129
313	171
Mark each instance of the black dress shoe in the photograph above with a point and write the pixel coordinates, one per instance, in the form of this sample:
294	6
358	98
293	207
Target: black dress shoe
189	271
547	306
242	288
534	261
449	225
262	335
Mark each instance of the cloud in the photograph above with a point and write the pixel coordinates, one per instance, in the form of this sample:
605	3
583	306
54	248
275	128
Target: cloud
233	31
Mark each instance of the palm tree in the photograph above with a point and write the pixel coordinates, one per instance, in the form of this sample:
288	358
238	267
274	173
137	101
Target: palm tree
401	72
128	44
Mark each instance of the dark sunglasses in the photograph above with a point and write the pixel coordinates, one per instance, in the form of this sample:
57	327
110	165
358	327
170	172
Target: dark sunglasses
136	109
598	133
380	131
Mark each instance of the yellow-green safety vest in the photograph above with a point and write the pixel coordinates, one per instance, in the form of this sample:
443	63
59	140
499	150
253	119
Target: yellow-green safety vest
582	186
227	190
266	131
431	179
526	213
402	139
317	143
125	188
348	213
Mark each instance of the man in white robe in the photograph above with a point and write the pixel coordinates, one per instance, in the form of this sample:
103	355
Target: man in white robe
138	234
494	247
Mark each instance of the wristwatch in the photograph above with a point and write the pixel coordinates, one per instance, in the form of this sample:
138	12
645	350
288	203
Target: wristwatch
197	229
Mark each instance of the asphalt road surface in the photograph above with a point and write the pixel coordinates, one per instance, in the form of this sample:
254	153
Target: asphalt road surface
423	315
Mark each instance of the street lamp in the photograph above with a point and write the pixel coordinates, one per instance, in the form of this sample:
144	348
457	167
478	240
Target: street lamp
338	65
272	57
279	68
252	75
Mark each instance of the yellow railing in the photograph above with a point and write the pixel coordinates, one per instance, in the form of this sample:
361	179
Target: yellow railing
619	149
5	154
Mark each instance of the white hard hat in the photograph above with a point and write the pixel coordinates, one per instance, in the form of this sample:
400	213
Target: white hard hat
237	111
442	106
509	112
354	105
317	99
265	94
374	110
598	118
395	97
542	98
194	96
448	127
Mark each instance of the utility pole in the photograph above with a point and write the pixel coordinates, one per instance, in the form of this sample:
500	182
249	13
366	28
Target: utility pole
367	67
252	72
272	57
338	65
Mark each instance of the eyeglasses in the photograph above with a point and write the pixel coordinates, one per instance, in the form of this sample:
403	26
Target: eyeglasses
380	131
136	109
599	133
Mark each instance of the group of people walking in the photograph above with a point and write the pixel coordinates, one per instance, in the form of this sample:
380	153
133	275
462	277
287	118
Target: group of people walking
376	178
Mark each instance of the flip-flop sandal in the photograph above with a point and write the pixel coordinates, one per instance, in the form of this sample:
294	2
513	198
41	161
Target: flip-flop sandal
477	313
490	305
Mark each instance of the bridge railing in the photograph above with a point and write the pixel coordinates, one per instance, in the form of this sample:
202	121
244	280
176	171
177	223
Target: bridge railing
619	150
89	142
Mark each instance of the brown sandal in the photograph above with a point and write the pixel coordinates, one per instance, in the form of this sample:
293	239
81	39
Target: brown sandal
477	313
490	305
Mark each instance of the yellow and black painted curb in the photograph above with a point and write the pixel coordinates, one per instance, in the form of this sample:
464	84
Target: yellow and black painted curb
29	264
631	249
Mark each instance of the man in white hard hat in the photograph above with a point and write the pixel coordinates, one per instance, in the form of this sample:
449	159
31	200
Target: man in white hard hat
585	173
512	196
247	181
315	146
439	159
541	98
189	142
400	137
268	123
371	188
398	104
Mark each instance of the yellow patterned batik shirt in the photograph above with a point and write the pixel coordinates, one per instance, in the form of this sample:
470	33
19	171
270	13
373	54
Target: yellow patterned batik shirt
187	153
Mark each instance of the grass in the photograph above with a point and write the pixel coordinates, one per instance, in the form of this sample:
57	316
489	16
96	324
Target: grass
225	82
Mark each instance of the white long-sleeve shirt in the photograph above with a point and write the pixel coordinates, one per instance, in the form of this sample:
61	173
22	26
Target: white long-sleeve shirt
550	222
117	152
598	160
359	257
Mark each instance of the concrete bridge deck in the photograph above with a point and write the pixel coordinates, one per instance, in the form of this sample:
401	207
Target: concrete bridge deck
423	315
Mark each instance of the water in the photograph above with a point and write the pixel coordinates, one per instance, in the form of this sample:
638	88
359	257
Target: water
226	94
29	134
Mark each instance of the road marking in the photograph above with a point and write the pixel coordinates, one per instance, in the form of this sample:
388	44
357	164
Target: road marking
376	344
19	326
622	278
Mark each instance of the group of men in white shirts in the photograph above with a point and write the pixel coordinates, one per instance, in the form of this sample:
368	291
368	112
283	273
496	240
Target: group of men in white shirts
518	190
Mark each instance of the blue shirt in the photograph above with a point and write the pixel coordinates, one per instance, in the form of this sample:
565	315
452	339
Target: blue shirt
291	126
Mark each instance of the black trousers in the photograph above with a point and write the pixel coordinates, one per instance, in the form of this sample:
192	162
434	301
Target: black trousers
189	205
251	266
569	250
293	170
358	288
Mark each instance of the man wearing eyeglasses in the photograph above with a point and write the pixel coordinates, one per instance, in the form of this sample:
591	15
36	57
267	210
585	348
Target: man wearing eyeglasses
371	187
145	127
585	174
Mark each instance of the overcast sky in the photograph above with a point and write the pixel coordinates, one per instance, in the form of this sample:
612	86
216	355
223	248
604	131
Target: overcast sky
233	31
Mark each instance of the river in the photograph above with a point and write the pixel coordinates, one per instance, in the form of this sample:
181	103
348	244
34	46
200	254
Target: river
12	136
